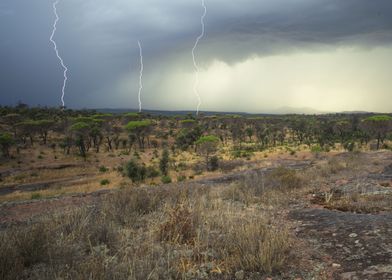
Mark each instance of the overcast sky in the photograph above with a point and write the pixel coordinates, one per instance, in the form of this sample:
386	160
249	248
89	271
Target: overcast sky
256	56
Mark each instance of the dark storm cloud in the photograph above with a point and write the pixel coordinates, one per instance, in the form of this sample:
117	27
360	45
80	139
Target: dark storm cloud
98	39
291	25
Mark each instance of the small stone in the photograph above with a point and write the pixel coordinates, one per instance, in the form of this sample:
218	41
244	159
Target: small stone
336	265
240	275
353	235
356	241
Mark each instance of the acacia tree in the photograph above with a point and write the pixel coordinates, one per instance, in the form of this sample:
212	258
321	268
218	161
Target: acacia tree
112	134
187	137
28	129
378	126
6	141
207	146
80	131
11	119
43	127
140	129
343	130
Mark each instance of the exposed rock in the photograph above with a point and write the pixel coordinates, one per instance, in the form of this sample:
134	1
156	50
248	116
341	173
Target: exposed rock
240	275
360	243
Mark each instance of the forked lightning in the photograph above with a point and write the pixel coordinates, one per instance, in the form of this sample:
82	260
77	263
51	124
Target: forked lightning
57	52
196	84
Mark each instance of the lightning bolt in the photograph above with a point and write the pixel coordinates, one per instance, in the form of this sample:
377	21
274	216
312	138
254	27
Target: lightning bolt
141	75
196	84
57	52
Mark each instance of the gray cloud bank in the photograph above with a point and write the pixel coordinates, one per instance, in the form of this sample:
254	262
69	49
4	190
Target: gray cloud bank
98	41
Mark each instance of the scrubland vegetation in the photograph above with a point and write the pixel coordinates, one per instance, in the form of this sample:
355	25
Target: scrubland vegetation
156	221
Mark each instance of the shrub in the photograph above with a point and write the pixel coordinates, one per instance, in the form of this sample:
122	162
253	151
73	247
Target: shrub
164	162
135	171
124	205
180	228
242	154
120	169
36	196
32	244
181	178
105	182
103	169
254	246
151	172
316	149
285	179
214	163
166	179
349	146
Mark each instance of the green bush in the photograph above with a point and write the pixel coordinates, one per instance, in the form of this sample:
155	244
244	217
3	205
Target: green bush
316	149
164	162
151	172
103	169
105	182
36	196
349	146
242	154
135	171
166	179
214	163
181	178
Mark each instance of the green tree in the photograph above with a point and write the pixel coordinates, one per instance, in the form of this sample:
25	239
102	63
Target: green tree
164	162
249	133
187	137
81	131
379	126
140	129
207	146
6	141
43	128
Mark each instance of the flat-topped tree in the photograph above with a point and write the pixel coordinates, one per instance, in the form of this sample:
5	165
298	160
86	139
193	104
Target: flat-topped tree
80	131
43	127
188	123
28	128
141	130
133	116
378	126
6	141
207	146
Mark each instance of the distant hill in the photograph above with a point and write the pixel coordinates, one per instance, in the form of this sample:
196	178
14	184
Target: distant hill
175	113
279	111
294	110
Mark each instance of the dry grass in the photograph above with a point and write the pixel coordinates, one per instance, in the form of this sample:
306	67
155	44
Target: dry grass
361	203
79	186
147	233
274	188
